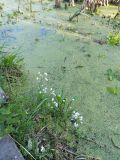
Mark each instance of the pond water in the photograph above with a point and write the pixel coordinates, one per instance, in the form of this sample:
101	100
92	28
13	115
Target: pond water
77	65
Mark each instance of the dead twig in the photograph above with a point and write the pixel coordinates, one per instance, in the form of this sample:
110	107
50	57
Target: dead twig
76	14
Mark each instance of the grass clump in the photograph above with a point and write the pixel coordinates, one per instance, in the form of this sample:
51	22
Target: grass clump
113	38
10	65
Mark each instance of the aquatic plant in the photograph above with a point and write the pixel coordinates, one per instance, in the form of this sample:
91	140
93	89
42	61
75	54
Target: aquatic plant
113	90
113	75
116	25
113	38
13	17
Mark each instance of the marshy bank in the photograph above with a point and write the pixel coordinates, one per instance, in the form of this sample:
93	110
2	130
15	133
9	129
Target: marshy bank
76	57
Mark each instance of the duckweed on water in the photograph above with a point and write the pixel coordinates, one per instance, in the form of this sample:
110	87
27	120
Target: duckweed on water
32	107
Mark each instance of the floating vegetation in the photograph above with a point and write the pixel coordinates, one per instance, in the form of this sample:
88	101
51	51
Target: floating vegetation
116	25
113	38
101	56
113	75
37	39
13	15
113	90
88	55
79	66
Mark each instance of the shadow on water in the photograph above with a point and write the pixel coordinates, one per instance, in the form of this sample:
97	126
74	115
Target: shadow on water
44	32
7	34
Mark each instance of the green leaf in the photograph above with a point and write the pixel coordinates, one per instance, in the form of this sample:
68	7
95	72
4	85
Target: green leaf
113	90
29	144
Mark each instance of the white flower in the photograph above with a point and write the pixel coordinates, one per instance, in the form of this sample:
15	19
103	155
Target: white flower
45	90
81	118
53	99
56	104
39	73
37	78
40	92
76	125
75	115
42	149
73	99
51	89
45	74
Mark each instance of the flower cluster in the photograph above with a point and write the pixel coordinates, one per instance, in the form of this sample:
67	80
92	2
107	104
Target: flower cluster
76	119
55	99
42	148
40	76
44	89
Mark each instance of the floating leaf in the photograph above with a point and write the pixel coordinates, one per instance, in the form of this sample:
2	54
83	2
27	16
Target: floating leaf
113	90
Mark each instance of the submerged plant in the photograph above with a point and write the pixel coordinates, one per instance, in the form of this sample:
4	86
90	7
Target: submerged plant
114	38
